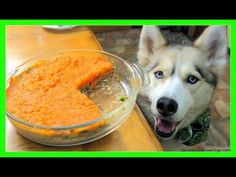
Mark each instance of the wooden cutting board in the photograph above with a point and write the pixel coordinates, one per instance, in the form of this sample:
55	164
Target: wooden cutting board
26	42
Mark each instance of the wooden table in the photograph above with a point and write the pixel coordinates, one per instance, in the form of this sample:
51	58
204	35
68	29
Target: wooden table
26	42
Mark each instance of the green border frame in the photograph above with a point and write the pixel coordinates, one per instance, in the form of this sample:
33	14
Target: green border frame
231	153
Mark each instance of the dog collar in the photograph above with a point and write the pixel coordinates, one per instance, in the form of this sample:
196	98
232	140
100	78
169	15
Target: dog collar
197	132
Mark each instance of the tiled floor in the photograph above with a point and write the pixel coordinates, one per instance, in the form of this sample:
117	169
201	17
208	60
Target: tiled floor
124	43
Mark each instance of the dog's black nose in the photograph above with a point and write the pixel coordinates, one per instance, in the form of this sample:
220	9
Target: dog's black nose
166	106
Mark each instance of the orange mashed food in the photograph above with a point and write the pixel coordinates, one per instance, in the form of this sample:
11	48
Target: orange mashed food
48	92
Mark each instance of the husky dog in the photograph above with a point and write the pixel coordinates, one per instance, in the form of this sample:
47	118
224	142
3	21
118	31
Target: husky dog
183	76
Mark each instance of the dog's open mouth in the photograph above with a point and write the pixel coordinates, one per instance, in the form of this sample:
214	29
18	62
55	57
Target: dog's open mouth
165	128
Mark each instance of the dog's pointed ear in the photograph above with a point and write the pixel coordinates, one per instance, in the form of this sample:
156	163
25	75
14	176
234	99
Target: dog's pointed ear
213	41
151	39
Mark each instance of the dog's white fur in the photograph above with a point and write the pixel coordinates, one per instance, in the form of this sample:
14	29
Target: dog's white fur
208	53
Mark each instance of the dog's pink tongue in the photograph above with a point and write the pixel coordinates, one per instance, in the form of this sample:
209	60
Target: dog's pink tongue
165	126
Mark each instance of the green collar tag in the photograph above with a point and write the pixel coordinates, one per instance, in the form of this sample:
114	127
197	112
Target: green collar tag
197	132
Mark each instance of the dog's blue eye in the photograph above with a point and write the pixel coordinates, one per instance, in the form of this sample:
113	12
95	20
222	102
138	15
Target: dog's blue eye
192	79
159	74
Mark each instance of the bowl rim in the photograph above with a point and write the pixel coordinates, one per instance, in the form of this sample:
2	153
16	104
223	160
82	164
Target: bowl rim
88	123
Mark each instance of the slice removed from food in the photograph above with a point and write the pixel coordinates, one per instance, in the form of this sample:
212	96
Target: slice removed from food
48	92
